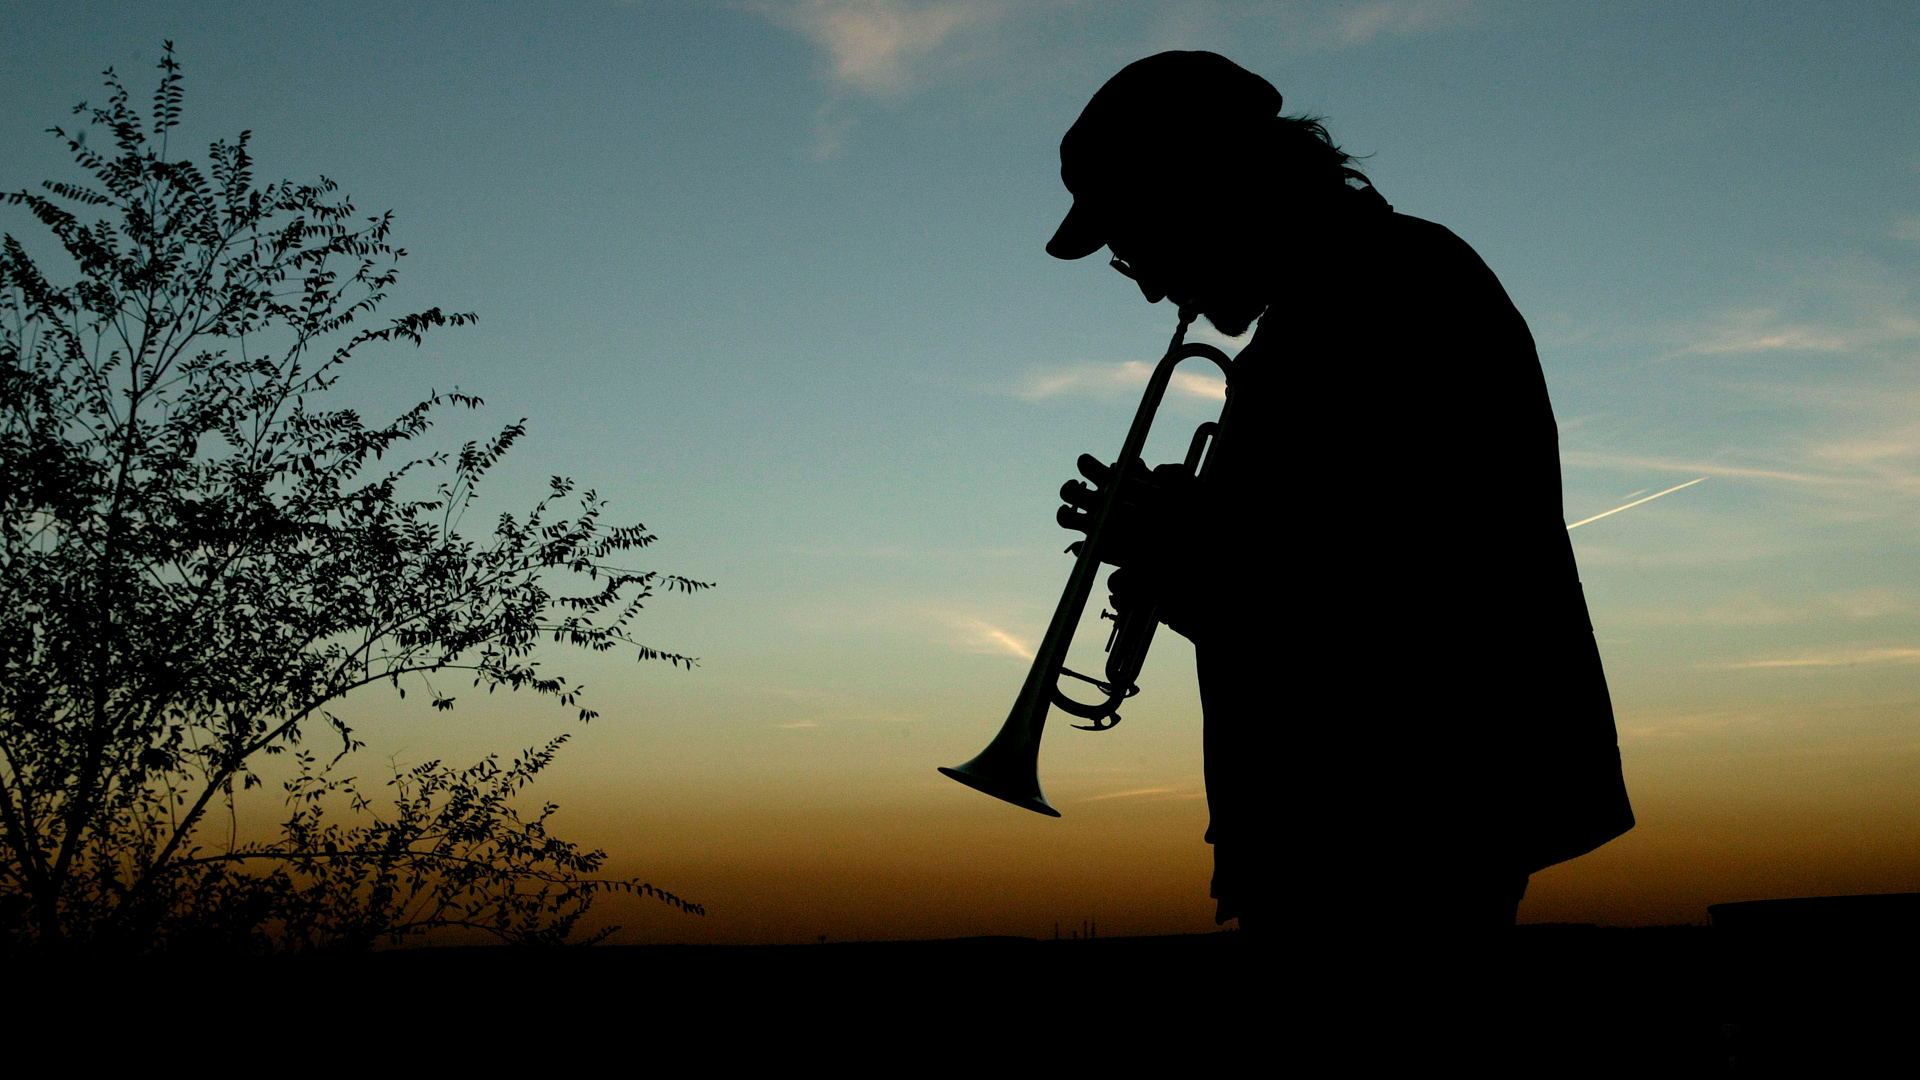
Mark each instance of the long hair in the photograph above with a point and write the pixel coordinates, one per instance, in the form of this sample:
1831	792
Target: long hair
1301	147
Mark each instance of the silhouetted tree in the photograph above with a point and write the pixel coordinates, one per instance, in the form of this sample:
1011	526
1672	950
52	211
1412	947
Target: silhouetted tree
199	561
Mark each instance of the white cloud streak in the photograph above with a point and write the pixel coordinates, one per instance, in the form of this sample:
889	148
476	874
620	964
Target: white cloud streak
1765	330
1869	603
877	49
1837	658
1890	458
1742	610
1109	379
981	636
1358	24
831	707
1588	459
881	48
1137	793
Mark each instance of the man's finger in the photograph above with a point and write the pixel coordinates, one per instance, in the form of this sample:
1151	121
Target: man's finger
1094	469
1069	518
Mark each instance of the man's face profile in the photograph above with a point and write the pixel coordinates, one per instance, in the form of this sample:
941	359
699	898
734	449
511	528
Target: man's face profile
1179	226
1198	259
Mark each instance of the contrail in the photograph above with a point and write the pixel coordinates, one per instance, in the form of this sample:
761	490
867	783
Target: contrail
1635	503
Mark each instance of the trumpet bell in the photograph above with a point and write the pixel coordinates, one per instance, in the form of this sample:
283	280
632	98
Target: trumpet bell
1009	768
1022	791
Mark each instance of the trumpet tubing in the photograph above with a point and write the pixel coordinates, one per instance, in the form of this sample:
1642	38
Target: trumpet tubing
1008	768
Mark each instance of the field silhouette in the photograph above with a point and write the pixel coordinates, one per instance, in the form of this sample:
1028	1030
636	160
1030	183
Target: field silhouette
1737	999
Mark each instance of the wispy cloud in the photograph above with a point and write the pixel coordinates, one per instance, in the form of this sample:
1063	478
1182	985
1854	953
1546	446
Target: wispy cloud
979	635
877	50
1093	379
1765	330
1833	658
1768	330
815	708
1871	727
1726	549
1358	24
958	626
1891	458
1863	454
881	48
1869	603
902	552
1143	793
1226	25
1872	449
1580	458
831	130
1750	607
1638	726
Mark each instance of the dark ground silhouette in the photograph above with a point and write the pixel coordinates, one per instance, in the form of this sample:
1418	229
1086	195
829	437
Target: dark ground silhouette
1658	1001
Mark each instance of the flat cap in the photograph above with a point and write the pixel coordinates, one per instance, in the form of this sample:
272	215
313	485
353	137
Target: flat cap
1128	138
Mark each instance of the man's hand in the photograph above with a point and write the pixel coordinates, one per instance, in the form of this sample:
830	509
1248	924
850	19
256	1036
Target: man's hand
1141	530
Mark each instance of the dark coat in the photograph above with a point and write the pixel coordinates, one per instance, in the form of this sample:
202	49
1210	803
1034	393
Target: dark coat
1396	663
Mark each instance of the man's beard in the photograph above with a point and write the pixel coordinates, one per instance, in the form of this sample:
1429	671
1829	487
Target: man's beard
1234	318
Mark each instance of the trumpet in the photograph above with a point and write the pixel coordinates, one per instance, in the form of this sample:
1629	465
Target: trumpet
1009	768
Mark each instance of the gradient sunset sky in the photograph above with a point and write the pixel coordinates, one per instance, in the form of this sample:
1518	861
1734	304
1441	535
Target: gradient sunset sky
770	276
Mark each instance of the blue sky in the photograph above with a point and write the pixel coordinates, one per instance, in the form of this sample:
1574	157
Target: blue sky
770	276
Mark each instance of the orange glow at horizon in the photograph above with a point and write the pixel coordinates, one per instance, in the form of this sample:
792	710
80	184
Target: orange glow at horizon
896	855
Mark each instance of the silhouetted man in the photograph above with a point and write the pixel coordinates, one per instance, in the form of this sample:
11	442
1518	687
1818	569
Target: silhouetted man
1405	713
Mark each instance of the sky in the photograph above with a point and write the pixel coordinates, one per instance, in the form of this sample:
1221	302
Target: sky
770	277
